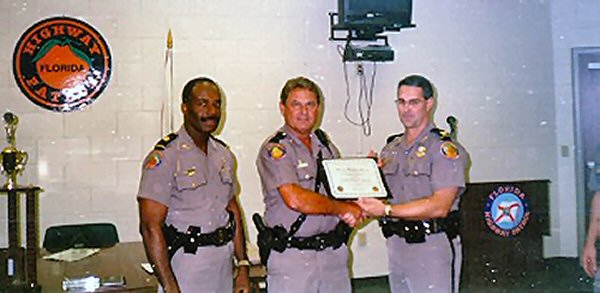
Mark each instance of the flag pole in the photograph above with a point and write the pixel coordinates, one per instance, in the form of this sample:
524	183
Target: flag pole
166	115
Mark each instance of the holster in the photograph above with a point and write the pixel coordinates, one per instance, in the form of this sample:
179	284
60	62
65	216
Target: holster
416	231
193	238
172	239
269	238
453	225
278	239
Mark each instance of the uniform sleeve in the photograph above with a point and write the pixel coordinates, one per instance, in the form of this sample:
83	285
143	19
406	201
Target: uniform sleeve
275	172
235	188
157	177
447	170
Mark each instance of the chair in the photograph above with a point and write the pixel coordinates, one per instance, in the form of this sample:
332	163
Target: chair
91	235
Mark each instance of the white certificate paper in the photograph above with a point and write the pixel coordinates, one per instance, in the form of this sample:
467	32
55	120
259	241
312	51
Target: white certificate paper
351	178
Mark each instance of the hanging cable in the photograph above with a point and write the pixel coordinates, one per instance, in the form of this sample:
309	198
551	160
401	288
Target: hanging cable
364	100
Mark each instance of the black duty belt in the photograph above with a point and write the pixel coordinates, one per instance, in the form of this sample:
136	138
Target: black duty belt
416	231
334	238
193	238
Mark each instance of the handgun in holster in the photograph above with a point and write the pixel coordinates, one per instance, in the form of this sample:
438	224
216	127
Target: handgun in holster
343	231
172	239
269	238
453	225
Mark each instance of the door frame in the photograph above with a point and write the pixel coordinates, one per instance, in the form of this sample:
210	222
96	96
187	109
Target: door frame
580	165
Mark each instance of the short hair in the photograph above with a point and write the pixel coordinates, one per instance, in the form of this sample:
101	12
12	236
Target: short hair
418	81
300	82
189	86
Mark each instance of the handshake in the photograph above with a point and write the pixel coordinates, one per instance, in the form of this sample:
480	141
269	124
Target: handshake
355	212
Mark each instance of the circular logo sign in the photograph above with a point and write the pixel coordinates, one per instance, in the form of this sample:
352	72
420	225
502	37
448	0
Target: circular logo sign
506	211
62	64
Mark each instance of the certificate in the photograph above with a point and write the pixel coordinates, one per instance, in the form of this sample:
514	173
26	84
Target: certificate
354	178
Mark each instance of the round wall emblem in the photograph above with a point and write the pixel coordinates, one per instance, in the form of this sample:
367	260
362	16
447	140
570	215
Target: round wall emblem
506	211
62	64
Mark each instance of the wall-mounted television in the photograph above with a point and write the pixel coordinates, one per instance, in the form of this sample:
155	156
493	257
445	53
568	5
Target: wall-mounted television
375	15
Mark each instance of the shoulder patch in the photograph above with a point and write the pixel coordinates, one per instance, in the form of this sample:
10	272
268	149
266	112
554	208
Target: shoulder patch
392	137
153	160
449	150
276	151
279	136
165	141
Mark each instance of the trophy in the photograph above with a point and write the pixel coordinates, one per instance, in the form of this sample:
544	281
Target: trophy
12	160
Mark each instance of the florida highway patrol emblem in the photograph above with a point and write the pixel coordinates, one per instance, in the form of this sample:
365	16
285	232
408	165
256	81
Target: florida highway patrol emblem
449	150
276	151
506	210
62	64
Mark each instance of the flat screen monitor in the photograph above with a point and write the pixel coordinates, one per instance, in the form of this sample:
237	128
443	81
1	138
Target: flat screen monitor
380	15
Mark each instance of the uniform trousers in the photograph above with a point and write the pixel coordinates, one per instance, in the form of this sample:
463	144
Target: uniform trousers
309	271
423	267
209	270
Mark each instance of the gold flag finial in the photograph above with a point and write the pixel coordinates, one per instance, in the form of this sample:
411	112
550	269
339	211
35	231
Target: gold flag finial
170	40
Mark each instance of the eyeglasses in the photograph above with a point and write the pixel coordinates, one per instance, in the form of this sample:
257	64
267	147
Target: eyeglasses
412	103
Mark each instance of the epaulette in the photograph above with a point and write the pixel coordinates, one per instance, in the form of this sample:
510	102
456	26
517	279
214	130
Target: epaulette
165	141
279	136
444	135
219	141
392	137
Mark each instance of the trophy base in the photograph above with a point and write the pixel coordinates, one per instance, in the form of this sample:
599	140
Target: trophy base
11	184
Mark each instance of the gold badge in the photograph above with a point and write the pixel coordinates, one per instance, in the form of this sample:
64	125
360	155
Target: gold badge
449	150
191	171
276	151
421	151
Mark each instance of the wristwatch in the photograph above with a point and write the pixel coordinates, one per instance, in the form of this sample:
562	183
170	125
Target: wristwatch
387	210
243	263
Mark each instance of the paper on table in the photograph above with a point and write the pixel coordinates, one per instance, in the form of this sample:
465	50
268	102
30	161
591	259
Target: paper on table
72	254
147	268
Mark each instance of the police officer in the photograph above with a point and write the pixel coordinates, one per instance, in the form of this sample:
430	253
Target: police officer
425	172
589	260
313	257
188	211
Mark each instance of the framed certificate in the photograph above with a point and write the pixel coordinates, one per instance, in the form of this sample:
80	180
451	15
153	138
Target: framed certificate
351	178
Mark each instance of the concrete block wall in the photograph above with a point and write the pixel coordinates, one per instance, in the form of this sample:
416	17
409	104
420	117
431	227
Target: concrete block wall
492	63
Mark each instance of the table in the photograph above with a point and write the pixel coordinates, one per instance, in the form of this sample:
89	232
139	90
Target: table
123	259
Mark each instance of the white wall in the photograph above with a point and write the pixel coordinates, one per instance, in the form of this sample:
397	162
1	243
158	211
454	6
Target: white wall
491	61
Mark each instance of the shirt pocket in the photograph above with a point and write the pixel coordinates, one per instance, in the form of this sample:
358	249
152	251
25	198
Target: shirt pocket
418	168
390	167
189	179
305	174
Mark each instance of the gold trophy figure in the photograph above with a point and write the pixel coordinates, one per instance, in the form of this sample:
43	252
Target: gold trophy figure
12	160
